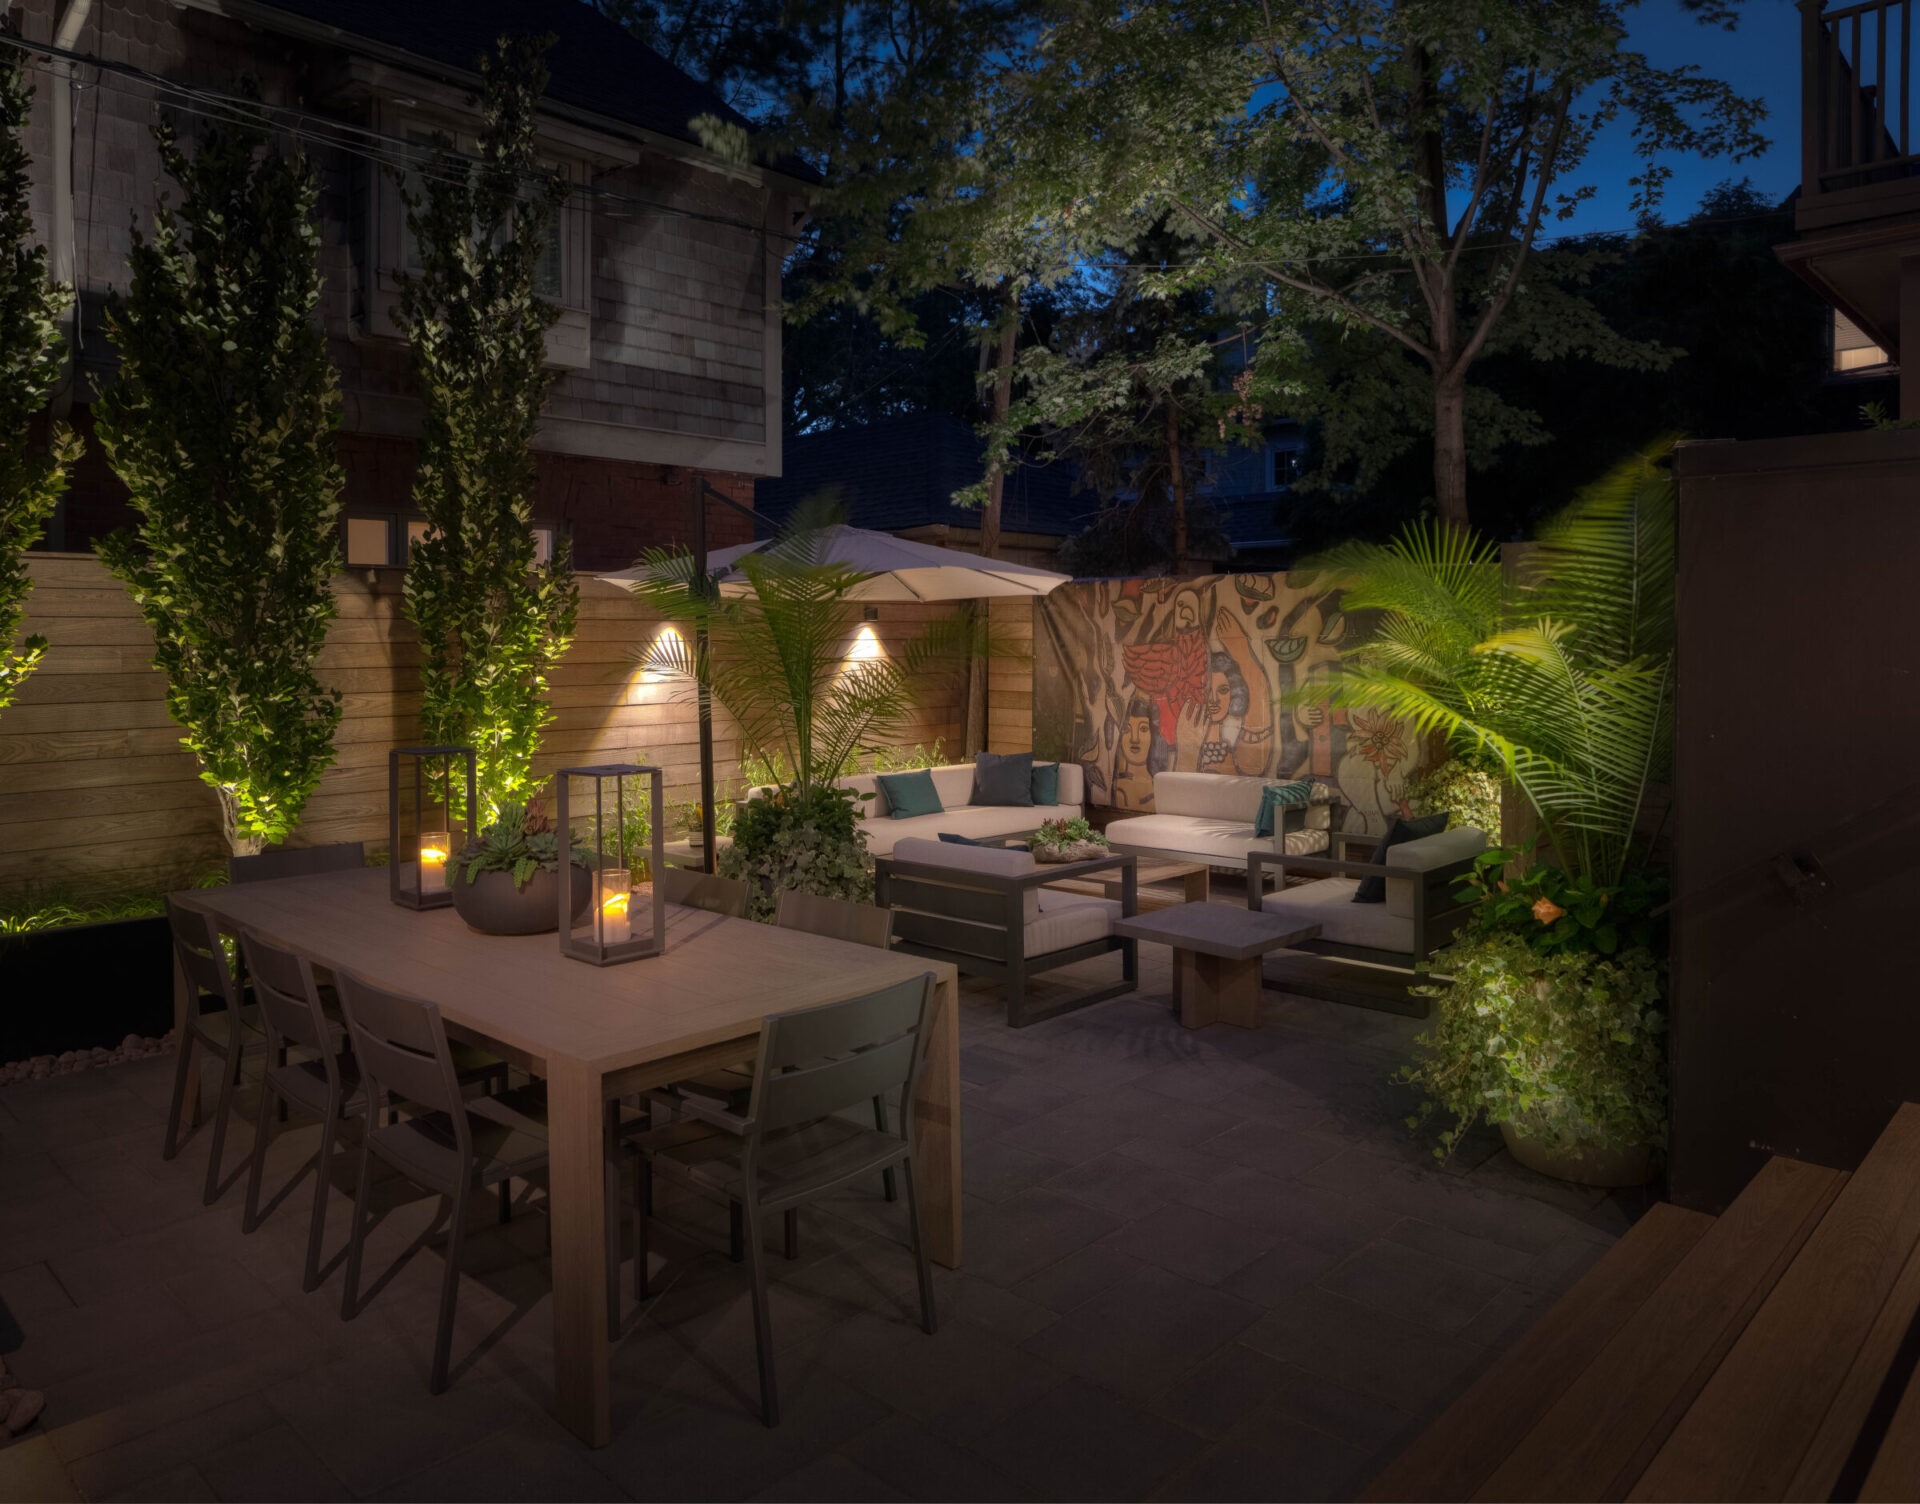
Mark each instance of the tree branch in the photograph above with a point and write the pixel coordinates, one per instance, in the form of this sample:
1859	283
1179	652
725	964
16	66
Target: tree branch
1543	179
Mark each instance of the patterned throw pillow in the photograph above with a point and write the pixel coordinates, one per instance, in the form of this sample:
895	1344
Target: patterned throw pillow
1278	796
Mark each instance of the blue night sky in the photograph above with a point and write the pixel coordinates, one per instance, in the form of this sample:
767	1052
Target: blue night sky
1761	56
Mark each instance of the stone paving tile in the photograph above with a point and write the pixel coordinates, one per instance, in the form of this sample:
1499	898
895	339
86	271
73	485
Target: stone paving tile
1403	1282
1276	1461
31	1469
179	1485
1363	1349
1193	1243
1210	1397
272	1465
914	1463
1082	1442
827	1479
534	1459
188	1440
31	1290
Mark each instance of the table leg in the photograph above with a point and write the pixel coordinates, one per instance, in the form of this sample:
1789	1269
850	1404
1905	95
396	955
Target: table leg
1215	989
936	1117
182	1001
581	1381
1199	885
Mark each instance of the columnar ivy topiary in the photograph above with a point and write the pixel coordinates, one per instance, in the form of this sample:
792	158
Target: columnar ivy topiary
31	351
492	624
222	424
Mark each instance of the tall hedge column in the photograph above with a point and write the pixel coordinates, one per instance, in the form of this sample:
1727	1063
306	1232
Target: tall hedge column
492	622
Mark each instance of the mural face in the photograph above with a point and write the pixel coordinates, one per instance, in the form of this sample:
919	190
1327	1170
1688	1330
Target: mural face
1140	676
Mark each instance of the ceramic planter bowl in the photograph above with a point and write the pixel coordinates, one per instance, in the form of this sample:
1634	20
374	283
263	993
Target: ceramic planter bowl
492	905
1583	1164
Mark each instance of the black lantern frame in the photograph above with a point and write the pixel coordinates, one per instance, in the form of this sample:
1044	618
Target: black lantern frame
406	883
593	946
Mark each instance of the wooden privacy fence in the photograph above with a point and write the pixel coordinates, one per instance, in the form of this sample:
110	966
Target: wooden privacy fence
98	796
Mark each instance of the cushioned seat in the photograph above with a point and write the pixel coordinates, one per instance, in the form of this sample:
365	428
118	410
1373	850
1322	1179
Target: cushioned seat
1210	817
960	817
1329	904
1223	843
1069	919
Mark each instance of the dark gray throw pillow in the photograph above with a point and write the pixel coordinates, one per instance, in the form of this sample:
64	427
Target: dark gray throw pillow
1003	778
1374	889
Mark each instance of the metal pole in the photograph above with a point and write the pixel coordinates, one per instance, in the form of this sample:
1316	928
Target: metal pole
704	586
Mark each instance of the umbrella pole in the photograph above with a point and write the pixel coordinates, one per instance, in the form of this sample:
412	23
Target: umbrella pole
704	585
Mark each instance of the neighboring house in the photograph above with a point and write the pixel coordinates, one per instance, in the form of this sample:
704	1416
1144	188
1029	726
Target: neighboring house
665	261
1251	489
899	476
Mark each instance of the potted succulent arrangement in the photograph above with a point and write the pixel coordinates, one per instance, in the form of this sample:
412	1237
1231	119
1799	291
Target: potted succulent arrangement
1549	1022
1072	840
506	881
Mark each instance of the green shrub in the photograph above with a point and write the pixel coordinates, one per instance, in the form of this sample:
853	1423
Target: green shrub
808	839
1464	791
910	759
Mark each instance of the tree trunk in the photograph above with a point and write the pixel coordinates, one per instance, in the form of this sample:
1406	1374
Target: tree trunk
976	723
238	844
1450	448
1176	487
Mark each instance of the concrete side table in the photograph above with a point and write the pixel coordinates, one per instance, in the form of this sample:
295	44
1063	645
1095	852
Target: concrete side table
1216	957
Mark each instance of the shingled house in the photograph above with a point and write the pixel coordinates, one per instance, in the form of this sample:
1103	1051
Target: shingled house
665	260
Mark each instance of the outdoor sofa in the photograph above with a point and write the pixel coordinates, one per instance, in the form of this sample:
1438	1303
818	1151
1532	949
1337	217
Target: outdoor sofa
960	816
986	910
1209	817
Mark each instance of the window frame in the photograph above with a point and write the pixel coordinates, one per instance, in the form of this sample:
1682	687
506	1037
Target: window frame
401	526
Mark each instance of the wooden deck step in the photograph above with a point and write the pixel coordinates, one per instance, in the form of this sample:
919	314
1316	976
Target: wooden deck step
1453	1456
1599	1435
1794	1390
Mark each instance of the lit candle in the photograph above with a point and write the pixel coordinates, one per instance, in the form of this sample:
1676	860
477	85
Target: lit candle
434	846
615	889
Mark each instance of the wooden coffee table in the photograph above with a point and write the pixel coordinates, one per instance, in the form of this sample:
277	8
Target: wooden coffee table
1194	878
1216	957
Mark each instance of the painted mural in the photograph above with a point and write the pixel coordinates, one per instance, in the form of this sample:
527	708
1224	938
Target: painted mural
1133	677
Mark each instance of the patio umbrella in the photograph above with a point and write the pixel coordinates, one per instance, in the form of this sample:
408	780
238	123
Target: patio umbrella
901	570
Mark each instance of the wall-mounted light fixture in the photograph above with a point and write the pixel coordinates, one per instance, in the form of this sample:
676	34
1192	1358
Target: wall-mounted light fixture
666	654
866	646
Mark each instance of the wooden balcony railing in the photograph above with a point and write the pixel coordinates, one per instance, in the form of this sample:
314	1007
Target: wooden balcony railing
1855	83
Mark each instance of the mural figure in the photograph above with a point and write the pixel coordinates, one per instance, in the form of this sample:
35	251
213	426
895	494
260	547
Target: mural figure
1148	675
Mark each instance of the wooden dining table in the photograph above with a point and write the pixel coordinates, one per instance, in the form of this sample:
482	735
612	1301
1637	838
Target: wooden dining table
599	1033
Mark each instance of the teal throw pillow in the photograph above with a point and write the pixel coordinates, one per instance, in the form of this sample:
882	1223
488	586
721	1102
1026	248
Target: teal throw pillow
910	794
1277	796
1046	783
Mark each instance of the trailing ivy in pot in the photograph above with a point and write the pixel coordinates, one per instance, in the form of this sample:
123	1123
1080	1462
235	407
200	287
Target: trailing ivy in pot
506	882
805	837
1549	1022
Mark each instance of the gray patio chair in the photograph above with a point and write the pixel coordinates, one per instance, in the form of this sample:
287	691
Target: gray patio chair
217	1020
325	1085
452	1146
789	1147
704	890
298	861
991	913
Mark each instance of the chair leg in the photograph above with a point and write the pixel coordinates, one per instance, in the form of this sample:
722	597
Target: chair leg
506	1201
356	1235
642	1210
762	1317
229	1084
449	1292
183	1064
280	1059
322	1183
880	1126
928	1320
250	1217
736	1237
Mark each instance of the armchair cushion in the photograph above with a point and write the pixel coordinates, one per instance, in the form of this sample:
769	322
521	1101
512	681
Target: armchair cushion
1003	778
1374	889
986	861
910	794
1068	919
1423	855
1329	904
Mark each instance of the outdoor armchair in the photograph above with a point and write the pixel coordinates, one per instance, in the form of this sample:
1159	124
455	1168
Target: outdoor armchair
1421	911
990	912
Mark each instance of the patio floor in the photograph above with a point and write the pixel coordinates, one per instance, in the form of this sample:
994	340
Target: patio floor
1203	1265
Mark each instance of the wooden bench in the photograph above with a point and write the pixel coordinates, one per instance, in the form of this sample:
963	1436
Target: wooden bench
1762	1354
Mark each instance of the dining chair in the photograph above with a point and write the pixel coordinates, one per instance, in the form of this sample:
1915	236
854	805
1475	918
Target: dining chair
217	1020
704	890
790	1147
450	1144
297	861
325	1085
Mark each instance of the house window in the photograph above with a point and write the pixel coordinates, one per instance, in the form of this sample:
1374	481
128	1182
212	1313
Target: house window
1286	468
372	540
368	543
552	274
1853	352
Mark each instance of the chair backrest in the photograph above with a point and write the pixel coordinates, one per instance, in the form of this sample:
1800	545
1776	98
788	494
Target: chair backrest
401	1046
196	946
704	890
816	1061
288	996
836	918
300	861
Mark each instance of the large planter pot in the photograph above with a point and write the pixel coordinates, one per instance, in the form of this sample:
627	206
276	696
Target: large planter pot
492	904
1583	1164
84	985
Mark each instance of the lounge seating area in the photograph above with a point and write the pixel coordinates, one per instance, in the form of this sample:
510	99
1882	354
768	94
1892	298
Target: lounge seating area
958	815
1213	818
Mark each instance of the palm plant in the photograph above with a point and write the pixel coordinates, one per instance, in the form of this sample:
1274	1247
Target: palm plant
776	659
1562	668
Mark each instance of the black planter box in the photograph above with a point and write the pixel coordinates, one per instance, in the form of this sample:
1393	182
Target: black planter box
84	985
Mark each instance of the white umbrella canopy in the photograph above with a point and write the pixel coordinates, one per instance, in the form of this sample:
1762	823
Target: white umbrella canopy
899	569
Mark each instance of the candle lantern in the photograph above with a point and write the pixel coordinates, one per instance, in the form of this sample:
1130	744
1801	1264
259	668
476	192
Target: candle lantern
613	931
421	850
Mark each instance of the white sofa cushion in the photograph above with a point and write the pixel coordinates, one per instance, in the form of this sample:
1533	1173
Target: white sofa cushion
1423	855
1212	796
989	860
1329	904
980	822
1069	919
1221	843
